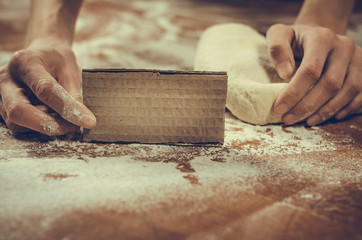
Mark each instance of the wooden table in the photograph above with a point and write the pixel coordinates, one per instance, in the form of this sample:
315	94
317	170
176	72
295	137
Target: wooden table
265	182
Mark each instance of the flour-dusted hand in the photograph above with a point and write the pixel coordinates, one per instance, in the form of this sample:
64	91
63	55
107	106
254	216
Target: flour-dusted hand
40	86
328	81
41	90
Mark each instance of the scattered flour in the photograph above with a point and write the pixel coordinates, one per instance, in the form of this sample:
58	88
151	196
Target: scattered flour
119	40
273	139
63	174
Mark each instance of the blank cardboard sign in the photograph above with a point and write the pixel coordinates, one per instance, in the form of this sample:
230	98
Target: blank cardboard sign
152	106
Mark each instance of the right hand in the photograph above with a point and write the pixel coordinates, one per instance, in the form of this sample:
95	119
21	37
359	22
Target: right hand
328	82
40	90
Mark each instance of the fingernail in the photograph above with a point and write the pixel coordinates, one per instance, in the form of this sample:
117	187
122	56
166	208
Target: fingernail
51	128
89	121
78	115
285	69
281	108
290	119
313	120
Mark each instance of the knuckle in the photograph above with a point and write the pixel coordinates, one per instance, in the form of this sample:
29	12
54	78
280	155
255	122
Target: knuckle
332	84
347	42
326	33
312	71
320	35
20	65
43	89
19	59
14	112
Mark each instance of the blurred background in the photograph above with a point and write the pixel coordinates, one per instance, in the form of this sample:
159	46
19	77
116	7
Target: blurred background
161	34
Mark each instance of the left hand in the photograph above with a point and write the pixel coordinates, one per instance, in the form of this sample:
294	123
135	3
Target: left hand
328	82
40	90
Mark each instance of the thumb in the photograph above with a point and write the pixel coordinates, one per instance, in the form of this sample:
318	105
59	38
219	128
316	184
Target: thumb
279	39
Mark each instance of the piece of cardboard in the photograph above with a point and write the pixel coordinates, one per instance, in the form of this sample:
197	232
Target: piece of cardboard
155	106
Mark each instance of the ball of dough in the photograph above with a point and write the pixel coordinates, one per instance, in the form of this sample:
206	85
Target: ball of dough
253	84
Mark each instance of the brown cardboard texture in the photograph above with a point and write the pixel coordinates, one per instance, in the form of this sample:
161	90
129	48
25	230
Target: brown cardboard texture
154	106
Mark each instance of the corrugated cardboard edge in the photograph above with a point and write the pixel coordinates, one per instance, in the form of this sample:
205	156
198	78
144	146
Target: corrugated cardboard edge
154	71
94	70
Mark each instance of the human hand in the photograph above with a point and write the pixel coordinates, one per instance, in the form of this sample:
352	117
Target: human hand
40	90
328	82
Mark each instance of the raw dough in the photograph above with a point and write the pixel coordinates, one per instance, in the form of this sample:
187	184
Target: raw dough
253	84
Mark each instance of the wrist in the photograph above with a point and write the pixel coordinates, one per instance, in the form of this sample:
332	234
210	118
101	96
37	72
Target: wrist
49	40
325	13
51	32
53	19
338	28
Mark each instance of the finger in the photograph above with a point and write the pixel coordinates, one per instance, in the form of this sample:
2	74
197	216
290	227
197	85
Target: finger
4	74
279	39
350	89
354	107
346	95
12	126
316	50
326	88
19	111
51	93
